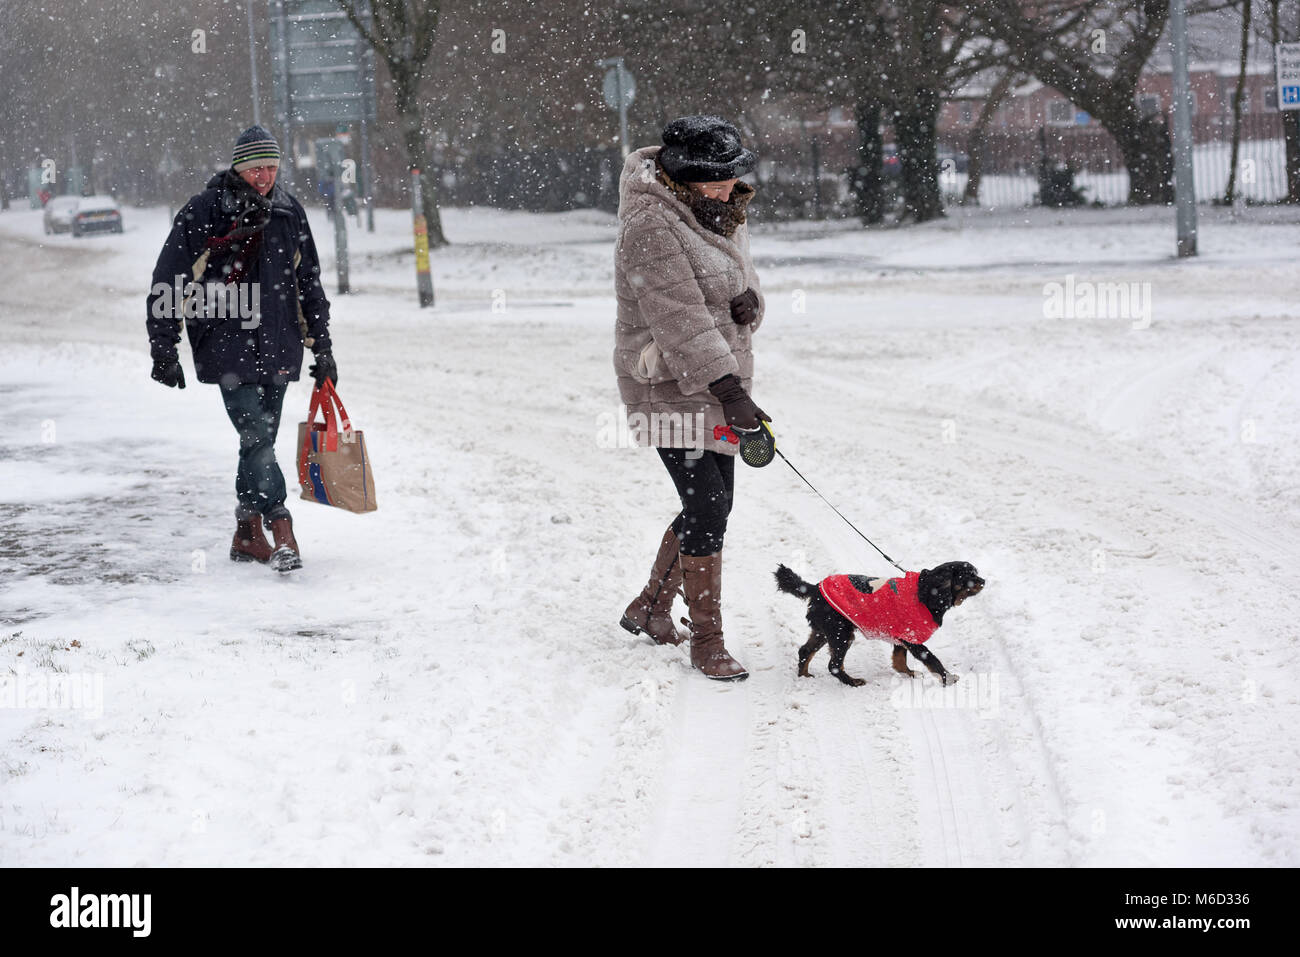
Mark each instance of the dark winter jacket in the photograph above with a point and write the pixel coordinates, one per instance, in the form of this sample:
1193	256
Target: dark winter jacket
268	347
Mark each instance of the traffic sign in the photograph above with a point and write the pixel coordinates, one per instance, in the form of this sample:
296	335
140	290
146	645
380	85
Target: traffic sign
619	81
1288	76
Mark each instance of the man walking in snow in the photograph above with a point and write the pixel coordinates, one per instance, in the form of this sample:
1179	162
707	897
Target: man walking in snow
240	269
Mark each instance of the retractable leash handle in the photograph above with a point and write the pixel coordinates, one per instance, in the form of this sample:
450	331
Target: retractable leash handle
758	448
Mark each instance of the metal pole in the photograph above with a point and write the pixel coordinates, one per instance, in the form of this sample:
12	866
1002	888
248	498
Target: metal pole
424	280
622	107
366	71
252	59
1184	185
340	242
366	196
286	106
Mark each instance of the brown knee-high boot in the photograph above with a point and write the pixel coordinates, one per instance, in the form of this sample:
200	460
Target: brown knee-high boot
702	578
652	610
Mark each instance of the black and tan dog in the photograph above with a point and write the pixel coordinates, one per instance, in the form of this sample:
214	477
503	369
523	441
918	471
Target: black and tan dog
906	611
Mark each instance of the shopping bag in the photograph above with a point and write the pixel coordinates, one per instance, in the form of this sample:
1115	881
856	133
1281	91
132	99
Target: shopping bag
333	467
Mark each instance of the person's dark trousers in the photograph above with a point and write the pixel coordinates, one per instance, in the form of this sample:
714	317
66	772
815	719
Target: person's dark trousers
706	483
259	483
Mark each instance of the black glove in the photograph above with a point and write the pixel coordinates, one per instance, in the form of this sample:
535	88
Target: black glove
168	372
744	308
325	368
737	407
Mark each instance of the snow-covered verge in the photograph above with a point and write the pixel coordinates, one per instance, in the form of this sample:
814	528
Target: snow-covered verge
444	682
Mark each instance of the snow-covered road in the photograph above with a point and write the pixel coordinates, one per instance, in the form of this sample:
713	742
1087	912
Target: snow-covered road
445	681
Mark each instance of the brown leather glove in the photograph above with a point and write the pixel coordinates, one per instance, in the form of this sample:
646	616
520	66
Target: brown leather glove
737	407
744	308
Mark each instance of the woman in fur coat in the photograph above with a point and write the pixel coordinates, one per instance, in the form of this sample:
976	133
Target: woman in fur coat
688	307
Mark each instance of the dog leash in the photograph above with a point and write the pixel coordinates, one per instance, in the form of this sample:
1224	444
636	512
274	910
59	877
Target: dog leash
756	449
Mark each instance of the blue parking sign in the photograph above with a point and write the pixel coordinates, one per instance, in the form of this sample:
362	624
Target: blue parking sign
1288	76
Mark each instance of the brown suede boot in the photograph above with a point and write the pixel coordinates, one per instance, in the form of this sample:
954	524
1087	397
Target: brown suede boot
285	558
652	610
249	545
702	577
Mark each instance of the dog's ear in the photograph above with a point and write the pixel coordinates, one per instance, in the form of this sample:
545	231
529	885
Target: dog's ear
965	579
941	587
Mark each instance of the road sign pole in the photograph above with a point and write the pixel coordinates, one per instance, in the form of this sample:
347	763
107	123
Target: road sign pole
283	91
424	281
341	244
619	89
367	196
622	106
252	59
1184	185
1288	101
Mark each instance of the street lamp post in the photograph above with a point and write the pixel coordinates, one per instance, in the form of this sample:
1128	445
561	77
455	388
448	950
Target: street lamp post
1184	185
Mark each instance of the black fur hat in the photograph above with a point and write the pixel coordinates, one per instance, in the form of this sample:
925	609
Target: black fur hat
704	149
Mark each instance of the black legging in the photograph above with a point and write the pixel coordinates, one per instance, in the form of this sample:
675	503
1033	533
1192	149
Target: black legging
706	482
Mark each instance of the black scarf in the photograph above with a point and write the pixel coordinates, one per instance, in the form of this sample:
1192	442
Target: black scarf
715	215
232	256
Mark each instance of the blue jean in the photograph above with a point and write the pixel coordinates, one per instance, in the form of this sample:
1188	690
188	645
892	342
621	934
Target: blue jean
255	411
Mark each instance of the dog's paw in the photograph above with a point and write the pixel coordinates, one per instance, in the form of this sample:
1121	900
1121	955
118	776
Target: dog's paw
949	679
857	682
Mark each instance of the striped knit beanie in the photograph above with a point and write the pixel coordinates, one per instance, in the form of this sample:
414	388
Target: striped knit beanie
255	147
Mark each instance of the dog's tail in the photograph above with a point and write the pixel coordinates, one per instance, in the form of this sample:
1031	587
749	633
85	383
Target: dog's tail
792	584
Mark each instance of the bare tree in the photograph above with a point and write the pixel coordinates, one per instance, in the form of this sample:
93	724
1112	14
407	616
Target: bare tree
975	140
1230	191
897	62
402	33
1094	51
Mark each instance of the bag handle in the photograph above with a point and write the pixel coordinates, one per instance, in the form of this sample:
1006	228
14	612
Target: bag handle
320	402
332	396
324	399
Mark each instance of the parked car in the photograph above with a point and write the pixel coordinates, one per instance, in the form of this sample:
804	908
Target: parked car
97	214
891	165
952	161
58	214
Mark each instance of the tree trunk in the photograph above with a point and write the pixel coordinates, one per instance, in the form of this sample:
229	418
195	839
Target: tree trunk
1149	158
417	153
1230	191
869	177
917	155
976	141
974	166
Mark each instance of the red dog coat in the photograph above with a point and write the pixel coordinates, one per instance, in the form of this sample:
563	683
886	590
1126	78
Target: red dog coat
893	612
